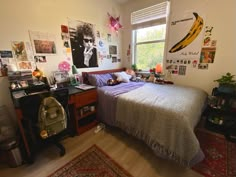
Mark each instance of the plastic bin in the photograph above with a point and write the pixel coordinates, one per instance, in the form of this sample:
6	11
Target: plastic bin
12	151
7	128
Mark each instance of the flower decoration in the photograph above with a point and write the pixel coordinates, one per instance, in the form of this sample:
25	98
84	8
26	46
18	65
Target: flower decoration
152	70
114	22
64	66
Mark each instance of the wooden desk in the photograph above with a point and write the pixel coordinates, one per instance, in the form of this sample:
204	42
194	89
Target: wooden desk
82	111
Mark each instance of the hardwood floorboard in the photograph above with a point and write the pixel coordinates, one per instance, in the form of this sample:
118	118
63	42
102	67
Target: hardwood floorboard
130	153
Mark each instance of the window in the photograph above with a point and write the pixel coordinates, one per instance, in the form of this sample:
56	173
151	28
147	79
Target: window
148	35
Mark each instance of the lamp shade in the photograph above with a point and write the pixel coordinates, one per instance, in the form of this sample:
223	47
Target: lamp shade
74	70
37	73
158	68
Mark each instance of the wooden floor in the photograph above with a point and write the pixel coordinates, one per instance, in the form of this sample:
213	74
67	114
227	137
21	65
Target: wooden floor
131	154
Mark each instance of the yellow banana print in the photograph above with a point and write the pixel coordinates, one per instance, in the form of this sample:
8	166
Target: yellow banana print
192	34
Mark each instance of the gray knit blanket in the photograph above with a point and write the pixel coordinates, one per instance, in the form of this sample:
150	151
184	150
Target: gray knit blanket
164	117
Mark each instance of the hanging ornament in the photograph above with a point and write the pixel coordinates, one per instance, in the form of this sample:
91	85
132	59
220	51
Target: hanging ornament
114	23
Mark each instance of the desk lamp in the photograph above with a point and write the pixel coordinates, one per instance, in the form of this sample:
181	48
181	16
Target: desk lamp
38	74
74	70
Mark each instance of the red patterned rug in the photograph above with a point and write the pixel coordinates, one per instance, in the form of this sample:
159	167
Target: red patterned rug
94	162
220	156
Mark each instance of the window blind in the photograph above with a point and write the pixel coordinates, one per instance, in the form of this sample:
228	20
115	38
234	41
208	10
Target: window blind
149	16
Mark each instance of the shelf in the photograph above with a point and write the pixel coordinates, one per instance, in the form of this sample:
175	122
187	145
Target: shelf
86	123
87	114
85	105
220	111
214	127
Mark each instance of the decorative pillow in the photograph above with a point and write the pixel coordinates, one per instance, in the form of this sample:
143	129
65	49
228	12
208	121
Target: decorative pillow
99	80
122	76
130	72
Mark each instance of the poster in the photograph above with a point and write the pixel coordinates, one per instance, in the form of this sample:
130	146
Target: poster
43	43
19	51
83	44
186	35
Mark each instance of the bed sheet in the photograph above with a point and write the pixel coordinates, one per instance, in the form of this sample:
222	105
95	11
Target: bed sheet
107	97
135	106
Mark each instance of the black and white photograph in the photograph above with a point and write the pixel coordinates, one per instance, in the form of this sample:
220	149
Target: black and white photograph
82	38
112	49
40	59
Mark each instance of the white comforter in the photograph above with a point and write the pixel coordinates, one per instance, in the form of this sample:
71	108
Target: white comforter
164	116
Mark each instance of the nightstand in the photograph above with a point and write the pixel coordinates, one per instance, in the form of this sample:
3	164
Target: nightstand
221	112
84	110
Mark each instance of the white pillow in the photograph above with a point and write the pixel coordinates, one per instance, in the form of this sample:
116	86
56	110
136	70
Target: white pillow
122	76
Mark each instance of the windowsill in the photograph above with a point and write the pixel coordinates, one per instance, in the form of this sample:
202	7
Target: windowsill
142	72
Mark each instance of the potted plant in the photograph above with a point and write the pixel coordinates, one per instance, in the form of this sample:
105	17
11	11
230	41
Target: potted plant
134	67
227	83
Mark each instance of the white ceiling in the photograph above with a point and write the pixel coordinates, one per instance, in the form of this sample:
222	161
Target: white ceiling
122	1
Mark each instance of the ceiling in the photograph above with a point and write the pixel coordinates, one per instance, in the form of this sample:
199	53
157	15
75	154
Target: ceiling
122	1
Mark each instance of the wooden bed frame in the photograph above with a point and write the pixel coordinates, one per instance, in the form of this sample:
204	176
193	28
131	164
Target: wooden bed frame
85	74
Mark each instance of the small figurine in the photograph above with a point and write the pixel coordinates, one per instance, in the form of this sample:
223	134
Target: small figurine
151	78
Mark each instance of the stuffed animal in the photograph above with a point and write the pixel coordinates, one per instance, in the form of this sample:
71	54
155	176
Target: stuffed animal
151	78
112	82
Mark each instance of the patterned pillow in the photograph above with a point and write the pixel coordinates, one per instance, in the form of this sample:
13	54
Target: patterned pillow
99	80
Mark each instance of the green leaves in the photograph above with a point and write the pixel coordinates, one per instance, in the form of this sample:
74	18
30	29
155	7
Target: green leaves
227	80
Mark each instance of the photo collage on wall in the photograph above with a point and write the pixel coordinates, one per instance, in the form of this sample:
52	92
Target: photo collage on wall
191	42
107	45
43	45
24	55
207	56
19	58
184	47
208	49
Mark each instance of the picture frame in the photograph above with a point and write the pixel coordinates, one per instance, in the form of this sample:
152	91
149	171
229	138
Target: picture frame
61	76
43	43
78	78
24	83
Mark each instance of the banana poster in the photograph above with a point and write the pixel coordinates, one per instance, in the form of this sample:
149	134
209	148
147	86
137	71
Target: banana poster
185	36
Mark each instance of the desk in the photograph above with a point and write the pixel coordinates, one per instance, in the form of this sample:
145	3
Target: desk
82	110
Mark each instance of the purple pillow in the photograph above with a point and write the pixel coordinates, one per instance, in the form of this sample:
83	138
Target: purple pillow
99	80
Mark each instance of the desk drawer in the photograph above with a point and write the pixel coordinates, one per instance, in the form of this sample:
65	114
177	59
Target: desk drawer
86	98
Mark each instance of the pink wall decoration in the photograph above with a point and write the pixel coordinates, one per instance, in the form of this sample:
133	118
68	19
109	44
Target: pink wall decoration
114	22
64	66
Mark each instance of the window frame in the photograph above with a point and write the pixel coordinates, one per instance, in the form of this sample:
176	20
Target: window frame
160	17
135	44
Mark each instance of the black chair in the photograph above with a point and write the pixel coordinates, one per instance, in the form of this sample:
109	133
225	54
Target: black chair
30	109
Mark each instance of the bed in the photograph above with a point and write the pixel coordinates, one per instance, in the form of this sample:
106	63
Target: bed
163	116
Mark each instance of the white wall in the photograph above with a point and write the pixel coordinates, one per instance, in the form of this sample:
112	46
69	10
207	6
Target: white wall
220	15
18	17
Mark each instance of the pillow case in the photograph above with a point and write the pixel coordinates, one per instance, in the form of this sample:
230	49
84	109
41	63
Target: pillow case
99	80
122	76
130	72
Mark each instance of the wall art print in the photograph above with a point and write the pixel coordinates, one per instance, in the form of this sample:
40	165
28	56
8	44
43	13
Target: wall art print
43	43
186	34
83	44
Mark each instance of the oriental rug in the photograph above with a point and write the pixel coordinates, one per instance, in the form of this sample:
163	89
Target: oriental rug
93	162
220	155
